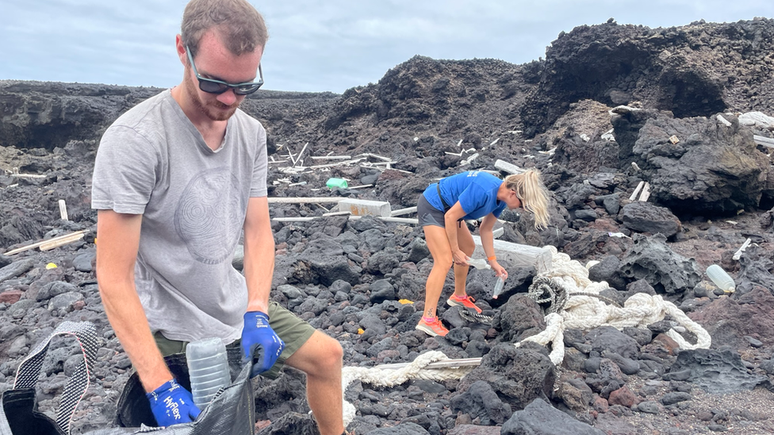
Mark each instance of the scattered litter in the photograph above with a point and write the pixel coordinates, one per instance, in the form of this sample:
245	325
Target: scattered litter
608	136
674	139
405	301
336	182
756	119
51	266
721	278
618	235
330	157
636	166
724	121
585	137
508	167
643	190
479	263
469	159
63	210
48	244
738	253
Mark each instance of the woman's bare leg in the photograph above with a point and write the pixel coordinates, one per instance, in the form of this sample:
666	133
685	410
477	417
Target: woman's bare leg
467	245
436	240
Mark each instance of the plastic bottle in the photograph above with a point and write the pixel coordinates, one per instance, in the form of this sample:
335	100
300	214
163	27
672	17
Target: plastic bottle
721	278
336	182
207	368
479	263
498	288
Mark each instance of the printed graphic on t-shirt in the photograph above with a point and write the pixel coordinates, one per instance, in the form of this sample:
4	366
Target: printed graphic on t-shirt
210	215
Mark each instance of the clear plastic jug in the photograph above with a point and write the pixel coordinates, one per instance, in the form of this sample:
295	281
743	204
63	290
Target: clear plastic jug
479	263
207	368
721	278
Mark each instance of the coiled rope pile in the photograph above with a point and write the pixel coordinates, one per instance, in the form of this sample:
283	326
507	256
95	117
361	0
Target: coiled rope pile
574	301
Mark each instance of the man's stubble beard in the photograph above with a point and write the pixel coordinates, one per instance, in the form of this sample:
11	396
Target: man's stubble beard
210	112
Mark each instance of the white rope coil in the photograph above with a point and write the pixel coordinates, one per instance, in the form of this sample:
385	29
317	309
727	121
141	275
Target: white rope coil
383	376
587	312
578	311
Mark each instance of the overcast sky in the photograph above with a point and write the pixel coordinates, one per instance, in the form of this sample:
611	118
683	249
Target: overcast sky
315	45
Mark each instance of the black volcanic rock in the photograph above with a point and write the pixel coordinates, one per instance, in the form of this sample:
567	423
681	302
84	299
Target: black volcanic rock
607	99
694	70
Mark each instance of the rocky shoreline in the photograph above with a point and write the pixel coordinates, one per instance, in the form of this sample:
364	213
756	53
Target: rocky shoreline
612	107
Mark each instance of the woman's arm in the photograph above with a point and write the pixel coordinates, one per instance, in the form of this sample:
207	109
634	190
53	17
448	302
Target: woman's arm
487	242
450	219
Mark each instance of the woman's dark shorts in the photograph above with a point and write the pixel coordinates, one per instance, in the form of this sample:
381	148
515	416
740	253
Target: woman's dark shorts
429	215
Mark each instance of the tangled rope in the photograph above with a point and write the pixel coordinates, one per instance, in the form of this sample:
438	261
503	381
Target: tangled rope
575	302
384	376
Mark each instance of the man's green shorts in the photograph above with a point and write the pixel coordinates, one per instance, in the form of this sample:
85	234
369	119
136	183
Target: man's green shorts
290	328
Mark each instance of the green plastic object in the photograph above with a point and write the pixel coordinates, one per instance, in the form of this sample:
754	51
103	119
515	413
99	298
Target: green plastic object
336	182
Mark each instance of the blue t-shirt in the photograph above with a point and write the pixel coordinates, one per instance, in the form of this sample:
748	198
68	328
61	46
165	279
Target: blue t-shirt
476	192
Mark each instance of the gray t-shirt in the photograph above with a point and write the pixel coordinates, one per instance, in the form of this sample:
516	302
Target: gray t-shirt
152	161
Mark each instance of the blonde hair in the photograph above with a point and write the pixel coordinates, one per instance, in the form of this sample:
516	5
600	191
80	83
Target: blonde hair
532	193
241	26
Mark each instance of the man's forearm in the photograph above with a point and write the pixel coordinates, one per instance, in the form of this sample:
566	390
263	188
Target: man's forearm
259	270
126	316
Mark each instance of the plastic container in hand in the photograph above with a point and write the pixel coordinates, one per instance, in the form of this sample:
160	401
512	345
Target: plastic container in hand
207	369
721	278
479	263
498	288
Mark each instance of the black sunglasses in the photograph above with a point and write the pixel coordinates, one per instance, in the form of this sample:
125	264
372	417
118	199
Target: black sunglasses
212	86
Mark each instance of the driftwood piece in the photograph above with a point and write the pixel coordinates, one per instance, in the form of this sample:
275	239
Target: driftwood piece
331	157
309	219
637	191
298	157
764	141
304	200
403	211
63	210
508	167
645	192
50	243
28	176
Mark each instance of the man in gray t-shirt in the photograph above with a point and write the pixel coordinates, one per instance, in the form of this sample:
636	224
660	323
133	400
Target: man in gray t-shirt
176	180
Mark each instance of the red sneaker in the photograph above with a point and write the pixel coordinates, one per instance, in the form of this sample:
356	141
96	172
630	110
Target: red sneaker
433	328
466	301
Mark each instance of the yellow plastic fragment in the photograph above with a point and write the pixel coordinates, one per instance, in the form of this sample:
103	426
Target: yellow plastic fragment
405	301
360	331
51	266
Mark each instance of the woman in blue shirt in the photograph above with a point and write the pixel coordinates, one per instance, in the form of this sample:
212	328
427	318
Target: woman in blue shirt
443	207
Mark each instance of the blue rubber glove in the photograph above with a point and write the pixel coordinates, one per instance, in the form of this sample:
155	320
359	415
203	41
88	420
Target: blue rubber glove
261	346
172	404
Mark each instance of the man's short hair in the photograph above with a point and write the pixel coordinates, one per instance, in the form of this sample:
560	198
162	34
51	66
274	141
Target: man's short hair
237	22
